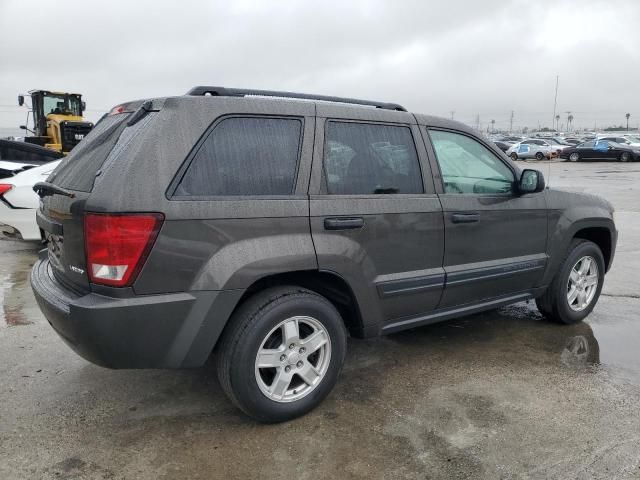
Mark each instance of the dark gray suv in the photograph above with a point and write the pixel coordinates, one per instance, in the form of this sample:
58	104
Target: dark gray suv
264	227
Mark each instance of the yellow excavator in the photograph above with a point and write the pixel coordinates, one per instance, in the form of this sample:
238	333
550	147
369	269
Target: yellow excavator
58	123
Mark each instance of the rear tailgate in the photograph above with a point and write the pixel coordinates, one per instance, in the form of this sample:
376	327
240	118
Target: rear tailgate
61	217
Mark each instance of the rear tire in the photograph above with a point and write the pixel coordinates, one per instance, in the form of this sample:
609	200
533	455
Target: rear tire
625	157
292	374
563	302
514	156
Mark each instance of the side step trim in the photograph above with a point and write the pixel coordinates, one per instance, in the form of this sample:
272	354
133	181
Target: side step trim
453	312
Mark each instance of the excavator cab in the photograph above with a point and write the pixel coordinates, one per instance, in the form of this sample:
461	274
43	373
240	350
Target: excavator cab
57	120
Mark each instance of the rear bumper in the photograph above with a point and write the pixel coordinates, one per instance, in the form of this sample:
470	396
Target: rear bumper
21	219
151	331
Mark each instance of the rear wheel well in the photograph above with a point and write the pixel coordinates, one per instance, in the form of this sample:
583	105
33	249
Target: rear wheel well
331	286
601	237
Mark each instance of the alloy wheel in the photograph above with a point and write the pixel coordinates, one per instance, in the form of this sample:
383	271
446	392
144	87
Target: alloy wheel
293	359
582	283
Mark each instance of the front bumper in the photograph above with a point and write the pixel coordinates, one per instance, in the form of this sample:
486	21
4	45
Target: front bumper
144	331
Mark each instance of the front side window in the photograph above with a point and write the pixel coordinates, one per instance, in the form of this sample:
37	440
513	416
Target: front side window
366	159
245	156
467	166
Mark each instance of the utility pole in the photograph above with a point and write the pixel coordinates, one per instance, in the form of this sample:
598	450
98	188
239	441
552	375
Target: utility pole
628	115
452	112
478	121
511	123
555	100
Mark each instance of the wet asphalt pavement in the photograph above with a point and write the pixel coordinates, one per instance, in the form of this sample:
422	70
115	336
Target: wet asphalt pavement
502	394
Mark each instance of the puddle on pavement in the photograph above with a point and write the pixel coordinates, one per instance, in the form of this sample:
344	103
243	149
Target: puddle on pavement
606	343
15	296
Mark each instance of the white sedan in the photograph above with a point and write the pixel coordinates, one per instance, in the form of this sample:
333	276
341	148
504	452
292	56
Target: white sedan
532	148
18	201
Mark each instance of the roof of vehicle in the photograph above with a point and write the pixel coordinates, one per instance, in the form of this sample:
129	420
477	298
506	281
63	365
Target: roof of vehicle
326	105
242	92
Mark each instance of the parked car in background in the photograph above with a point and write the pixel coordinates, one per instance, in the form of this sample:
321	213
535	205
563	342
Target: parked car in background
601	150
558	144
270	228
573	140
504	146
622	140
532	148
634	137
511	138
18	201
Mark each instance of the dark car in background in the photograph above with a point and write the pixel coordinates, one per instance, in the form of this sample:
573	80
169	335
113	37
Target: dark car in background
601	150
504	146
263	229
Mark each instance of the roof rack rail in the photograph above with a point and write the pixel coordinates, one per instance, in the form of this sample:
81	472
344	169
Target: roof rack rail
242	92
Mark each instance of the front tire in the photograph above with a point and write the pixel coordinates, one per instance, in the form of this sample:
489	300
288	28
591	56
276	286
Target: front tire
574	157
281	353
539	156
576	287
514	156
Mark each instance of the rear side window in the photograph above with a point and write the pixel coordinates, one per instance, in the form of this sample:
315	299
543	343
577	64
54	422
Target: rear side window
365	159
245	156
78	170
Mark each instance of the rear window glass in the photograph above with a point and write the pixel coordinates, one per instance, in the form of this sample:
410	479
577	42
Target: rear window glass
370	159
78	169
245	156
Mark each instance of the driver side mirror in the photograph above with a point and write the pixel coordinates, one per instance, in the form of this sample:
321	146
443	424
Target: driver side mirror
21	100
23	127
84	106
531	181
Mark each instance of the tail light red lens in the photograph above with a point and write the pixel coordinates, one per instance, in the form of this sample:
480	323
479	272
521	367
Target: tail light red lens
4	188
117	245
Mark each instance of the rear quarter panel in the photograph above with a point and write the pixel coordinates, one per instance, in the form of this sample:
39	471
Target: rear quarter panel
214	243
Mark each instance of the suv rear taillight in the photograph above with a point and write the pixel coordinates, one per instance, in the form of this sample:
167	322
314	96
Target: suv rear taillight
4	188
117	245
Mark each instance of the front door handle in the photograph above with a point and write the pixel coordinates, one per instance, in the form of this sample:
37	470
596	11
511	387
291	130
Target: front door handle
343	223
465	217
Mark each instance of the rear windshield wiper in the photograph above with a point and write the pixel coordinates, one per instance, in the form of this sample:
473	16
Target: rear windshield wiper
46	189
146	107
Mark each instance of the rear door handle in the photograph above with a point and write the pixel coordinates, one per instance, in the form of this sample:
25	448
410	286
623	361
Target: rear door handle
465	217
343	223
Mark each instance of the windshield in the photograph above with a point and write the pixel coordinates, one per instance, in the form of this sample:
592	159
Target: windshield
61	104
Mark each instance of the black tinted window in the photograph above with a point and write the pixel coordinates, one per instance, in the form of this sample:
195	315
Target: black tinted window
78	170
366	159
245	156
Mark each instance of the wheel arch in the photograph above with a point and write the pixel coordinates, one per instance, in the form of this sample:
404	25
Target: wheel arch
601	236
328	284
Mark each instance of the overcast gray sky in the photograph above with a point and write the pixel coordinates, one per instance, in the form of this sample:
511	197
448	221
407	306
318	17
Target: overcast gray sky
473	57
